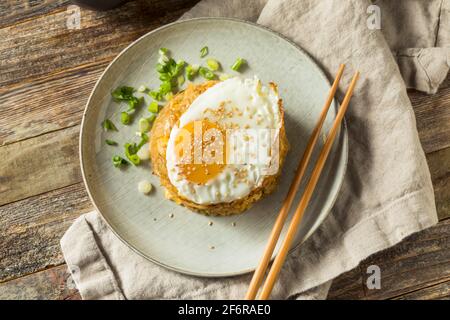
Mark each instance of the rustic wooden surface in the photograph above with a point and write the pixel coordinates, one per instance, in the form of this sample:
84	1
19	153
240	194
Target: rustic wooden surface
46	74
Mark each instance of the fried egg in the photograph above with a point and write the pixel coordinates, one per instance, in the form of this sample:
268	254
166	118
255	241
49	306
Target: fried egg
223	144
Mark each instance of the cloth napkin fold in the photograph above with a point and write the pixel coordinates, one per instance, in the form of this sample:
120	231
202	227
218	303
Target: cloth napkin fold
387	192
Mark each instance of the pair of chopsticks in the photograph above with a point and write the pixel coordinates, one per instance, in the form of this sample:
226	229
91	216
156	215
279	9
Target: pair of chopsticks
296	219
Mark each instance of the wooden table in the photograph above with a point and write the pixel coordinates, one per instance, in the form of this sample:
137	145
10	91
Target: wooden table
46	74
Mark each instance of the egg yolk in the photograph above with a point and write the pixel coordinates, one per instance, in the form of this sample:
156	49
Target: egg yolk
200	151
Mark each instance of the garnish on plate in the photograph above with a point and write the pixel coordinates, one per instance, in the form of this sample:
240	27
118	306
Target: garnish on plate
204	51
108	125
110	142
238	64
118	161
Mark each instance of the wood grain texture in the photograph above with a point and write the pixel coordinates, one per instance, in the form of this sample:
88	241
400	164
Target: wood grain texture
433	117
30	229
418	262
439	164
51	284
44	45
48	104
439	291
47	72
29	166
19	10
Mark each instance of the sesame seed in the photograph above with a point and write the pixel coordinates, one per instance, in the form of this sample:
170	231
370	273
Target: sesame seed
212	247
171	215
210	223
233	224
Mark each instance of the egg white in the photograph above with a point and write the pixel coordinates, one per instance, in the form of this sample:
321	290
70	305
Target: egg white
254	106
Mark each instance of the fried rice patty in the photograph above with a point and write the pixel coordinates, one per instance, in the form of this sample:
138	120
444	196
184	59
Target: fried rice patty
159	138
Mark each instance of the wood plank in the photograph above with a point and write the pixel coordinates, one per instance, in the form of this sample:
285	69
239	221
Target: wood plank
439	291
51	284
348	286
43	45
400	266
433	117
36	248
38	165
418	262
439	164
14	11
51	103
31	229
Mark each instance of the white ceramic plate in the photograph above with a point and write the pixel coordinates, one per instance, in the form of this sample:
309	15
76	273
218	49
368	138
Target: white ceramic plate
182	243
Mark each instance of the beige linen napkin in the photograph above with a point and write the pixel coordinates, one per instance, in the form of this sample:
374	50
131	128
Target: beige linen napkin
387	193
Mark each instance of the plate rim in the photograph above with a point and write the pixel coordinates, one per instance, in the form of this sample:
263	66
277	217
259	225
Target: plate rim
343	129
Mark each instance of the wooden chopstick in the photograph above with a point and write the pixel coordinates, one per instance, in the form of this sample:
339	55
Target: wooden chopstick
281	256
282	215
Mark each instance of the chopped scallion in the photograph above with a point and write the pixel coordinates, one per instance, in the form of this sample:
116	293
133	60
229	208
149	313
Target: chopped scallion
118	161
180	80
204	51
191	71
163	60
206	73
156	95
168	96
213	64
161	68
152	117
110	142
130	152
163	51
108	125
153	107
125	118
238	64
144	125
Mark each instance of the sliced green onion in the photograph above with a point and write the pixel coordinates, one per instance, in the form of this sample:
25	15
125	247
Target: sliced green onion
125	118
238	64
180	80
204	51
145	187
153	107
163	60
133	103
118	161
156	95
191	71
144	140
123	93
224	77
110	142
168	96
130	152
144	125
165	77
161	68
108	125
152	117
165	87
163	51
134	159
213	64
206	73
